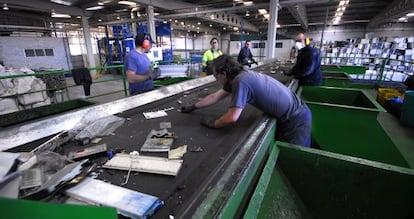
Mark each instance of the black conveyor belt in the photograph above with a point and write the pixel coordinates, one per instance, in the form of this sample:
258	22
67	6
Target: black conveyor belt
218	146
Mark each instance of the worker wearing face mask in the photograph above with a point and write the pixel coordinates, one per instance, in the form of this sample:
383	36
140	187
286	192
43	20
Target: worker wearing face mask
308	63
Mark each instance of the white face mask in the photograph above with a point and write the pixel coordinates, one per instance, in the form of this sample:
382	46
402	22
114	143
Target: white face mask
299	45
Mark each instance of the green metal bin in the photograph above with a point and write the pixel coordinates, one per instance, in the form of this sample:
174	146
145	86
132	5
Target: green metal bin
299	182
345	122
38	112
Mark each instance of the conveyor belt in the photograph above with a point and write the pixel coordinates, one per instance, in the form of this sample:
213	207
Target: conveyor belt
219	146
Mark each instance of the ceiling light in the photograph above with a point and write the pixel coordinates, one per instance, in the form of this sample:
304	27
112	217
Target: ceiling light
341	3
100	3
247	14
403	19
127	3
5	7
61	2
266	16
198	23
95	8
121	10
156	14
277	25
99	20
248	3
235	28
164	21
210	25
262	11
57	15
410	14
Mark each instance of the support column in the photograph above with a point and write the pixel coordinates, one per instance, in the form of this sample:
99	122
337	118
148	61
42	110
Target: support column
151	22
89	52
271	30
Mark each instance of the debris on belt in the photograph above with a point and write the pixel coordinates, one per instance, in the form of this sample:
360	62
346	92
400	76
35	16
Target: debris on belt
177	153
89	151
157	114
158	141
140	163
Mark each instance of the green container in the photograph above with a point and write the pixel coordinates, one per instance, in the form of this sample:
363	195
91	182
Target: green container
38	112
340	79
169	81
299	182
345	122
349	69
407	112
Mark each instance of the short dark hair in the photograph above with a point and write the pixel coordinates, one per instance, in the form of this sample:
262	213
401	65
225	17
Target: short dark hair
214	38
248	41
228	64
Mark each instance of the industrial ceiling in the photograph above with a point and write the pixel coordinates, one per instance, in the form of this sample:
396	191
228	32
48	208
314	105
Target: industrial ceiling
205	16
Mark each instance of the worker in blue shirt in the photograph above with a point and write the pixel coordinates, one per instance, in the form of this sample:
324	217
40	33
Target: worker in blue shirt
138	67
308	63
262	91
245	55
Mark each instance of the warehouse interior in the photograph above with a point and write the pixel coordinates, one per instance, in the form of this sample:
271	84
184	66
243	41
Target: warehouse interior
360	163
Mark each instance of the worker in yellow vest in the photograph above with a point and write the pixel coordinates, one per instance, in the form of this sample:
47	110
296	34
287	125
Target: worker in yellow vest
211	54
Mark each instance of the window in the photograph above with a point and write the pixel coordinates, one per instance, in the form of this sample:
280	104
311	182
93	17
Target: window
279	45
49	52
38	52
29	52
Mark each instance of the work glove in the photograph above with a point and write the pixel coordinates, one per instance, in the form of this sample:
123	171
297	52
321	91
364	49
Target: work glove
188	109
208	122
155	73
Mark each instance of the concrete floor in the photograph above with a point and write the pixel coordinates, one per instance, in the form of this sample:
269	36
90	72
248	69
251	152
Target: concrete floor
402	136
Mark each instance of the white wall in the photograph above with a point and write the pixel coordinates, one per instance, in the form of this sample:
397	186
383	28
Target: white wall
13	55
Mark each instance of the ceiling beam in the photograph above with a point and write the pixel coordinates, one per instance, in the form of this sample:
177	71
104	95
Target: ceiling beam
299	13
397	9
193	10
38	5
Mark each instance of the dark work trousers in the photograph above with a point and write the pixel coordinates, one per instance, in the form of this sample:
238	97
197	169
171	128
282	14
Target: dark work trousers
297	129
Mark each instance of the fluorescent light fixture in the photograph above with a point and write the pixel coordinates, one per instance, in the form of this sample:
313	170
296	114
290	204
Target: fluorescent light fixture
100	20
266	16
5	7
100	3
410	14
262	11
121	10
156	14
339	14
199	23
212	17
278	25
127	3
235	28
95	8
57	15
248	3
341	3
335	22
402	19
210	25
61	2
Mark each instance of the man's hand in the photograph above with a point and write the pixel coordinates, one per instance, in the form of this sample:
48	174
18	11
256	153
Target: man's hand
188	109
155	73
208	122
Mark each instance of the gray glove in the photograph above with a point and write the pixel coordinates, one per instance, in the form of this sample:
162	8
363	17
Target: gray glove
155	73
188	109
208	122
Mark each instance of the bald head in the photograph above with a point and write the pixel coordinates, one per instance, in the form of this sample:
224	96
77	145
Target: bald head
300	37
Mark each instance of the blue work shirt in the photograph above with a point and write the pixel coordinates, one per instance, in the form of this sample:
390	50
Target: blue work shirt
141	65
293	117
244	56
